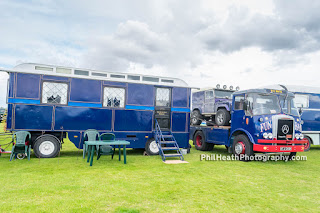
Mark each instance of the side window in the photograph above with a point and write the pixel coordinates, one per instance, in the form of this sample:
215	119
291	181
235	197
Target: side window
54	93
163	97
238	102
209	94
301	101
113	97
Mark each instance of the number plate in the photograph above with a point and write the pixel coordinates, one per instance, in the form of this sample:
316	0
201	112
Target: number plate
285	148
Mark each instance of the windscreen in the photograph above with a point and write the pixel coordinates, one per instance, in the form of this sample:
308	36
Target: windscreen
261	104
223	94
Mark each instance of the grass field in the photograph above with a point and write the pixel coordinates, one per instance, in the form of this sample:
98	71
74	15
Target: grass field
146	184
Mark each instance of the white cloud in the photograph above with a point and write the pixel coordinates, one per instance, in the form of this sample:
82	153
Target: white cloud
246	43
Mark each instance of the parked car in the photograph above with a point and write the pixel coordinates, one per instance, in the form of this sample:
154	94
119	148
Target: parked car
213	105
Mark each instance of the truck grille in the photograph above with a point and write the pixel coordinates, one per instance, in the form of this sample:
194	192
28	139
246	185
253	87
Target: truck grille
285	129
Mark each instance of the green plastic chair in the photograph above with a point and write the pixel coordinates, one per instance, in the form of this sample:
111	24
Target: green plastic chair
20	146
106	149
92	135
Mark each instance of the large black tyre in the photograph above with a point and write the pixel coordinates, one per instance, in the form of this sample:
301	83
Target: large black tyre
195	117
200	143
222	117
242	146
307	145
152	147
46	146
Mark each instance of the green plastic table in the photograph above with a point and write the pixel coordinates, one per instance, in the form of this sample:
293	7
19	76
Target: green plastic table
92	146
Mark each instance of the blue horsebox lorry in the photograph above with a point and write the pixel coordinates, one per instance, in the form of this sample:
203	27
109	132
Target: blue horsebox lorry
307	100
262	120
53	102
212	105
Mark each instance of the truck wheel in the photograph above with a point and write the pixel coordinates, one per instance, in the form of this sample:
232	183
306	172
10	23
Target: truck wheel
46	146
196	117
152	147
200	143
242	146
222	117
308	144
292	155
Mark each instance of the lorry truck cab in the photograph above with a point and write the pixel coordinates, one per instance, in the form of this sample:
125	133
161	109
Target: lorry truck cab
262	120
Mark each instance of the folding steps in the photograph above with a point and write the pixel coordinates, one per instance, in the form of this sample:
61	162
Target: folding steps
167	143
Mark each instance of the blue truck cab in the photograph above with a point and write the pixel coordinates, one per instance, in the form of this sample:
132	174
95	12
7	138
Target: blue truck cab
212	105
262	120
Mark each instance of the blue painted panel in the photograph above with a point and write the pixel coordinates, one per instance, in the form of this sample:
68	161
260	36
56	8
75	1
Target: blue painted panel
22	101
140	94
140	107
217	135
314	101
28	86
85	90
180	97
182	139
81	118
311	120
55	78
9	116
133	120
179	122
75	137
180	109
11	85
112	83
33	117
83	104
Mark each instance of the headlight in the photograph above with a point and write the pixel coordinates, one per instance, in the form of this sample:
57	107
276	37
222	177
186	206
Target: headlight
265	135
270	136
297	136
301	136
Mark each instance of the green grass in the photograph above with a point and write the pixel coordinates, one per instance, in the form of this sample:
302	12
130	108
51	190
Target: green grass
146	184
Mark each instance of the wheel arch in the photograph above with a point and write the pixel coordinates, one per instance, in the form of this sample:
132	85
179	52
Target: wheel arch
35	135
239	132
199	109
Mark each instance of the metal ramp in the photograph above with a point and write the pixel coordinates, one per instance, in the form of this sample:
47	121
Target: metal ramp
167	143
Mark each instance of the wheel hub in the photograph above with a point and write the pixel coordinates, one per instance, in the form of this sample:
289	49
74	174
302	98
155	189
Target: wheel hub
220	118
154	147
240	148
199	141
46	148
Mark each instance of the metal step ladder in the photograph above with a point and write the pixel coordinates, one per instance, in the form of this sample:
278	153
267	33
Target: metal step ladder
166	143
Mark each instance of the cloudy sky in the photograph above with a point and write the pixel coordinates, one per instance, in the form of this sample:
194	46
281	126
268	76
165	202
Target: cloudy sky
248	43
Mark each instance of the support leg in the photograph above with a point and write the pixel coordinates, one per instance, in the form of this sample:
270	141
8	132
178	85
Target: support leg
119	152
89	152
124	154
84	151
92	153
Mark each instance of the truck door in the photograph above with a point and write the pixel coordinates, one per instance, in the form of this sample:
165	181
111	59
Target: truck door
238	114
163	107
